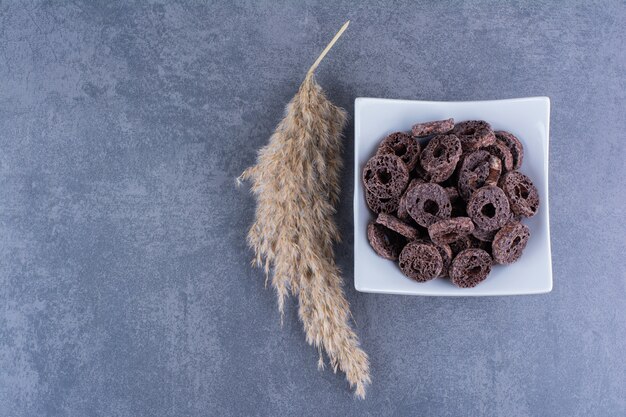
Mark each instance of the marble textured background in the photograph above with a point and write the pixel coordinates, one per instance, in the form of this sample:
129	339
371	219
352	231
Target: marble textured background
125	286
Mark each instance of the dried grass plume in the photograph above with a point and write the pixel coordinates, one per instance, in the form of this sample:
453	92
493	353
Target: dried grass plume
296	184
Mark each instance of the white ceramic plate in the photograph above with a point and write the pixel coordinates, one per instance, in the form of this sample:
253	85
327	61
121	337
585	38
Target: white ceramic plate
528	119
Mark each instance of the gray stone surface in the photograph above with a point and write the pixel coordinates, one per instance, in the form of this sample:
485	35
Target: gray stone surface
125	285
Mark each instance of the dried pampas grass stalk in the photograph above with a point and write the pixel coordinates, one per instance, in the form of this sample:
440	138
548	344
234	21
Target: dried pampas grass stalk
296	184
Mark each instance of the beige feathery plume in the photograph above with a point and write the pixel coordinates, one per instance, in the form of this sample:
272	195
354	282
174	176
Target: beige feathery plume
296	184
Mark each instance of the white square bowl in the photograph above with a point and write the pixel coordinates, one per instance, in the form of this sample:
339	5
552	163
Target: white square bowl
528	119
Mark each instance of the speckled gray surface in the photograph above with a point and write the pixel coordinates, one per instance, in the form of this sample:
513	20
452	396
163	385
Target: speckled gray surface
125	285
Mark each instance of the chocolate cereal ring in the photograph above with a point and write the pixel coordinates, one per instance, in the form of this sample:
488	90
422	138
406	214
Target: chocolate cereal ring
440	157
398	226
449	230
437	127
402	145
489	208
385	242
428	203
381	205
470	267
500	150
514	145
474	134
522	193
420	261
473	172
385	175
509	243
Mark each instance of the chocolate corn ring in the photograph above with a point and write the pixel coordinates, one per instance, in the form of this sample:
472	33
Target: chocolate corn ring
440	157
385	242
428	203
385	175
470	267
473	172
474	134
500	150
509	243
489	208
450	230
398	226
436	127
420	261
521	192
402	145
514	145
